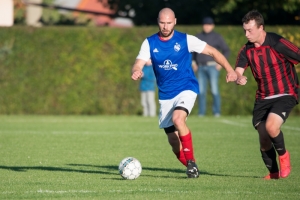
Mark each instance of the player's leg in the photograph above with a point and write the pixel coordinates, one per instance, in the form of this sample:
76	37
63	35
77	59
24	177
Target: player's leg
281	108
273	125
183	107
268	152
170	118
175	143
179	120
185	136
165	122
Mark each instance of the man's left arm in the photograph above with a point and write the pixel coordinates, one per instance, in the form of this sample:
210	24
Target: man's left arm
220	59
288	49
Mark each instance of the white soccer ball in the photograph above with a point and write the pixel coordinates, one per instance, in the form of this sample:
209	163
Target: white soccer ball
130	168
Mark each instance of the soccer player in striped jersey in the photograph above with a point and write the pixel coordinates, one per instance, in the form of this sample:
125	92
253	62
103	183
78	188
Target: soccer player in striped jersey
170	52
271	59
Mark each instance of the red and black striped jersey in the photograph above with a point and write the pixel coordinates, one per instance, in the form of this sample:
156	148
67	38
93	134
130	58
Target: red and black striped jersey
272	65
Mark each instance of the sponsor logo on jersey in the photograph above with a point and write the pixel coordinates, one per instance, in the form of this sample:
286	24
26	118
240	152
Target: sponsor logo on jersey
168	65
177	47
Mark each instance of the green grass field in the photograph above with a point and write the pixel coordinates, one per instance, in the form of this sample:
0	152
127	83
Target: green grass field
77	157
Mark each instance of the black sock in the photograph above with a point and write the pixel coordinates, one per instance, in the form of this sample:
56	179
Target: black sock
278	143
269	158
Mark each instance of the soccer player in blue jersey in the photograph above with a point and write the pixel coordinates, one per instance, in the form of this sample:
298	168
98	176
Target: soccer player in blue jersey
170	52
271	59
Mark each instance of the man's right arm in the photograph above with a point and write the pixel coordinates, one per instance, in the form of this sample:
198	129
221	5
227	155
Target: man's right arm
141	60
137	69
241	80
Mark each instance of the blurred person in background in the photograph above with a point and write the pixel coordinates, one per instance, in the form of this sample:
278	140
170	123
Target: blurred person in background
207	69
147	88
271	59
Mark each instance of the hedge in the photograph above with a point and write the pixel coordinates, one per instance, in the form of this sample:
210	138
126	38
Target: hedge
86	70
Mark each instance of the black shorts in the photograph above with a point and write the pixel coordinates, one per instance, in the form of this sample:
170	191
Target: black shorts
281	106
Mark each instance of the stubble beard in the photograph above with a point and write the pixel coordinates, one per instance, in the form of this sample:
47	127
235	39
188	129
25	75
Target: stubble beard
166	36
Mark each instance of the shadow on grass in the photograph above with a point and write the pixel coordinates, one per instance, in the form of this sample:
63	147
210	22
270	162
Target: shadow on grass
180	171
111	169
45	168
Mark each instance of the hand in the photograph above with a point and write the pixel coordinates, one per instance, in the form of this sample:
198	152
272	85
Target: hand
231	76
242	80
137	75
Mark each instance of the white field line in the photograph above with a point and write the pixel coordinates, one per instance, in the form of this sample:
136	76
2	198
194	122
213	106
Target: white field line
51	191
76	132
144	190
186	192
62	191
51	132
225	121
291	128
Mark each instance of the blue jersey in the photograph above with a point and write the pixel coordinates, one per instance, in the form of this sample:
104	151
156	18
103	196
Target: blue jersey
172	63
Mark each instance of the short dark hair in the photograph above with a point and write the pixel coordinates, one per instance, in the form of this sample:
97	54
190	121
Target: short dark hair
254	15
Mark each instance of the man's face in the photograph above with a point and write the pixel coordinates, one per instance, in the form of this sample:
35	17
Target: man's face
207	28
252	32
166	25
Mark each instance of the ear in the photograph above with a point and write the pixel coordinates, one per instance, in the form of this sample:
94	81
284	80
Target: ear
261	27
175	21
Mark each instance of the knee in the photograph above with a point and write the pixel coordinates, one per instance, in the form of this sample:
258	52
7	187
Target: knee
272	129
178	122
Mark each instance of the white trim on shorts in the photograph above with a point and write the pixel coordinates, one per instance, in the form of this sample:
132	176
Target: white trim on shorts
185	99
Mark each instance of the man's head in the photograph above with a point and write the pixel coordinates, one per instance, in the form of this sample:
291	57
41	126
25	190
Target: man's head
208	24
253	24
166	21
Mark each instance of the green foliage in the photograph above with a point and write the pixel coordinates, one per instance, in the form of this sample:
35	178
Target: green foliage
77	157
86	70
223	11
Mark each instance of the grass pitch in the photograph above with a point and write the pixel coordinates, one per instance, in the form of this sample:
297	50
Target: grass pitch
77	157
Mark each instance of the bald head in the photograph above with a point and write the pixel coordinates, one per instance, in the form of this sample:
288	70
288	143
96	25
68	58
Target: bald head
166	12
166	21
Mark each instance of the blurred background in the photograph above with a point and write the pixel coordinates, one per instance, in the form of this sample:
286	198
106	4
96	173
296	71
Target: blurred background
75	56
143	12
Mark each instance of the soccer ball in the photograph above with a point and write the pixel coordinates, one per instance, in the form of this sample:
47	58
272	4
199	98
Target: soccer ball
130	168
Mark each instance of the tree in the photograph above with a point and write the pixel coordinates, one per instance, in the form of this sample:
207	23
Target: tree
223	11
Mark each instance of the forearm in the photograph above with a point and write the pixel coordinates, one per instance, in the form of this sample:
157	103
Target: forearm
135	68
221	60
241	79
218	57
136	71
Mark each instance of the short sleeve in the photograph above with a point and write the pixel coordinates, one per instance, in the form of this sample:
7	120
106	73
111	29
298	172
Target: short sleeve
144	53
195	44
242	60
